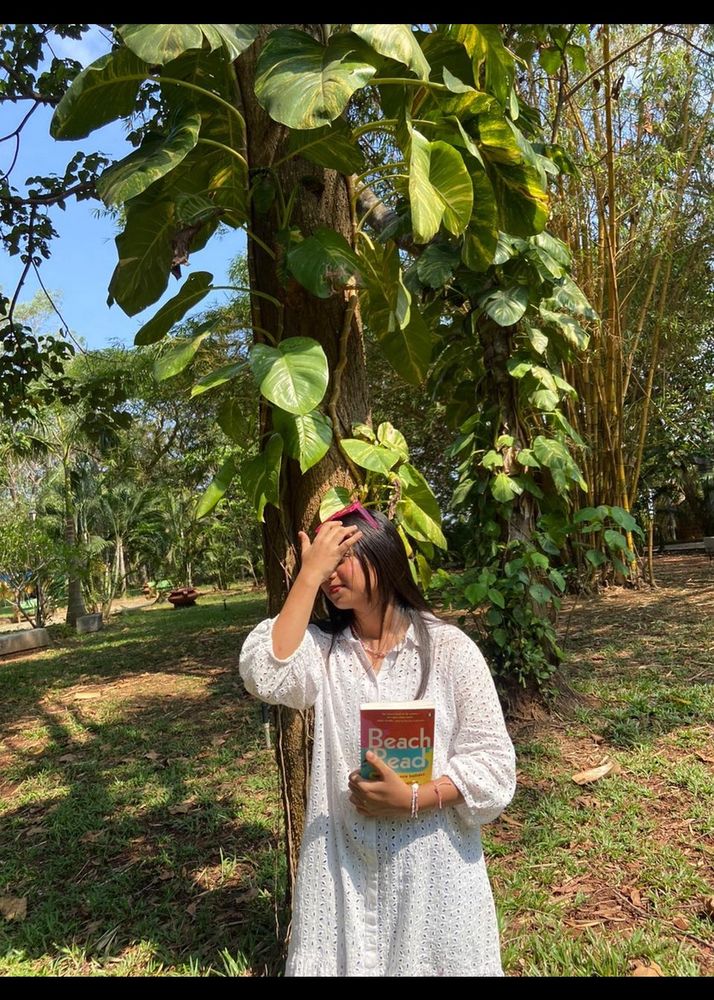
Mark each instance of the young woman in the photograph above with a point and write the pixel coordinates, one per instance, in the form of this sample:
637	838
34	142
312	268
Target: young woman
385	886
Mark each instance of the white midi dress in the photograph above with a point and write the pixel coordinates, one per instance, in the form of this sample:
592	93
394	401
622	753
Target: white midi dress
392	897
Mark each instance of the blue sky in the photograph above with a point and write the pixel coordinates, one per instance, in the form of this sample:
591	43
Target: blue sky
84	256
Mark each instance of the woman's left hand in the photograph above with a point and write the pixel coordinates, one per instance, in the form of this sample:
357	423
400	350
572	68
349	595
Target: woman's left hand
385	796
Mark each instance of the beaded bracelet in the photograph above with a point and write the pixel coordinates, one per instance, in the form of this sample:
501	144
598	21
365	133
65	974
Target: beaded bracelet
415	800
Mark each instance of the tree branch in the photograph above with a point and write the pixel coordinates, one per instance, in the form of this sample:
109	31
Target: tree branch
599	69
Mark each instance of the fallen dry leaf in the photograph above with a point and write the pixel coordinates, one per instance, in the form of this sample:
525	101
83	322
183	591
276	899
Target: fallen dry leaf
182	807
646	968
13	907
68	758
91	837
595	773
510	821
634	895
152	755
681	922
588	801
708	906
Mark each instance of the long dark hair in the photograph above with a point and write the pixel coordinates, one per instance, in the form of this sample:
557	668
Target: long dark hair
382	549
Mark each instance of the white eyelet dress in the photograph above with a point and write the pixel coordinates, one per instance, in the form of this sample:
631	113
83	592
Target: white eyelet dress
392	897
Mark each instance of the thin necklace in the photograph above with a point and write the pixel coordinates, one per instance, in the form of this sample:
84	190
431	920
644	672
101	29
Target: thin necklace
377	653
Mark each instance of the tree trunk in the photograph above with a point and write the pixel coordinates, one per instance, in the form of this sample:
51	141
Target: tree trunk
323	199
75	600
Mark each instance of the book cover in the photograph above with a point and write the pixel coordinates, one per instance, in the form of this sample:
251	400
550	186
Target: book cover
402	734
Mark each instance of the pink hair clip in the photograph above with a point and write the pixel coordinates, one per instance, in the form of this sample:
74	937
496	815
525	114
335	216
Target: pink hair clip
355	508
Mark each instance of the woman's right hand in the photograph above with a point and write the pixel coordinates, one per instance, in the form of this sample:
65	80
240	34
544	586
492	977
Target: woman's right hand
322	556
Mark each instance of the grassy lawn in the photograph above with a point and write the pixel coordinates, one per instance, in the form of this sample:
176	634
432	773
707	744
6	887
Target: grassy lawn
140	817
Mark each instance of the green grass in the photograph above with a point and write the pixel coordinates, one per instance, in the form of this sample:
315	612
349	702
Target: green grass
638	845
143	825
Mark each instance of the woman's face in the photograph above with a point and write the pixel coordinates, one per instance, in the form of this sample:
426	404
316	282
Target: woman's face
346	586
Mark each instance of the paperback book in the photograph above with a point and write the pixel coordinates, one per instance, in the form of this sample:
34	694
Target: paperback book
402	734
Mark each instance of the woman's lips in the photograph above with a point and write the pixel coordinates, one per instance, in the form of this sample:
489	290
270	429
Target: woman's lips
333	590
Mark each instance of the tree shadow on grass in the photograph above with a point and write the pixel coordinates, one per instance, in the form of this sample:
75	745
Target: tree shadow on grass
149	814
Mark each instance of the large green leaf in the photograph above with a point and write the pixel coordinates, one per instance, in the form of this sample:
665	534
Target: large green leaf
481	237
217	489
418	509
568	296
227	176
521	197
452	183
506	305
436	265
293	375
499	64
563	468
260	476
376	458
550	452
408	350
160	43
307	438
194	288
218	377
626	520
519	185
323	263
234	421
235	38
304	84
336	498
178	357
102	92
440	188
504	488
395	41
390	437
331	146
567	325
401	331
145	255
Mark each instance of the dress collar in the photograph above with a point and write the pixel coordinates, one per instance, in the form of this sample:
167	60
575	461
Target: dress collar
410	638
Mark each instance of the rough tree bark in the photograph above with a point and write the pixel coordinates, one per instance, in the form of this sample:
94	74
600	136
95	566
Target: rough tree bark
323	199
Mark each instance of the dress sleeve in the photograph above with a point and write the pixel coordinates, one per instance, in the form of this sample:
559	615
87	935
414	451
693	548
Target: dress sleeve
294	681
483	760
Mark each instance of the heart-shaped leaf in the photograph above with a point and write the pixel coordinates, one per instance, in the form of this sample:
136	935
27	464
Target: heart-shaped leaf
304	84
307	438
293	375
